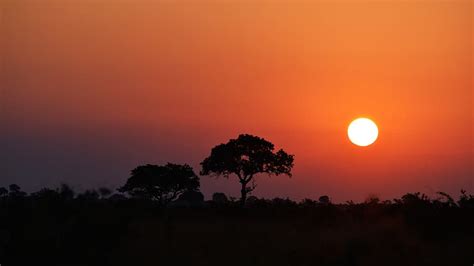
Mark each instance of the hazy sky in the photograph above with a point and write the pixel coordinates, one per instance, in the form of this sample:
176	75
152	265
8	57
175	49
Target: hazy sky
92	88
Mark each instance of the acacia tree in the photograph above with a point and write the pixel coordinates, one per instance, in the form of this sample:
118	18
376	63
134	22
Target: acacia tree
245	157
161	183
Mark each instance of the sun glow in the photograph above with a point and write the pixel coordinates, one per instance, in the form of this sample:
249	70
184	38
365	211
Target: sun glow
362	132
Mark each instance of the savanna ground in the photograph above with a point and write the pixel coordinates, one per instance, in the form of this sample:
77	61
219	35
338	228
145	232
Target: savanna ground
91	230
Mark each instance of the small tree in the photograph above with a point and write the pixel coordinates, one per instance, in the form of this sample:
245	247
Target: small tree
161	183
245	157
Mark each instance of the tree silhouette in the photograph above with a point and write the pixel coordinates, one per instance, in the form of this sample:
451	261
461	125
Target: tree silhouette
245	157
161	183
15	191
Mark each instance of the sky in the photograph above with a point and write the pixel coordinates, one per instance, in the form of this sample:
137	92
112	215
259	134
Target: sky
91	89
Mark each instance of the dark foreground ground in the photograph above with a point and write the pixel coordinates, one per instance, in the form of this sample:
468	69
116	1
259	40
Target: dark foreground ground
410	231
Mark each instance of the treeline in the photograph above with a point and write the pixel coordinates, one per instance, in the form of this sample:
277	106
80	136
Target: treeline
178	185
194	198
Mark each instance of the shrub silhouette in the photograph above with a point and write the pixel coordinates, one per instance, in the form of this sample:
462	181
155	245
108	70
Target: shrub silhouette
190	198
466	201
89	195
105	192
46	194
324	200
219	198
161	183
245	157
3	192
414	199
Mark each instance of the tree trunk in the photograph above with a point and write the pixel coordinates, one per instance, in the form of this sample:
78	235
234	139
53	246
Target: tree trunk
243	193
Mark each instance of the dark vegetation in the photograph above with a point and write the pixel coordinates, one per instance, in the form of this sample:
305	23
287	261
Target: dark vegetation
159	217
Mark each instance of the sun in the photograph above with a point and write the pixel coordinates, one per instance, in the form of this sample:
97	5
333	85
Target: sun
363	132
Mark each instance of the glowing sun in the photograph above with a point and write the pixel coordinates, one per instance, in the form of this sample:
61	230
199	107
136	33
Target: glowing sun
363	132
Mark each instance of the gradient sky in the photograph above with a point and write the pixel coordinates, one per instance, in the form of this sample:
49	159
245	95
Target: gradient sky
92	88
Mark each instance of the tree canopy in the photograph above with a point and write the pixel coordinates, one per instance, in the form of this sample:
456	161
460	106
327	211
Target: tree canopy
161	183
245	157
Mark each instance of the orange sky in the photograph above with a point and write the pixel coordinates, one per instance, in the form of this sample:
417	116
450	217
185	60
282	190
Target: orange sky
92	88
